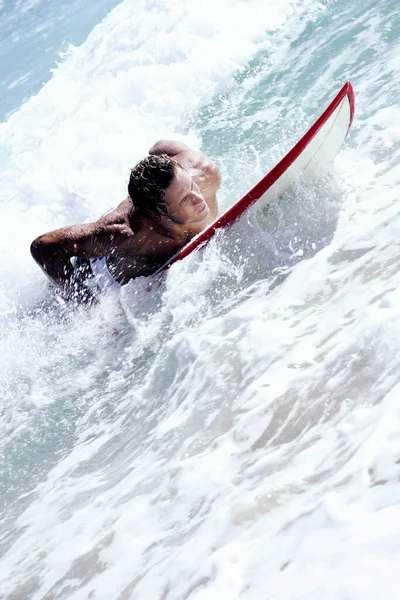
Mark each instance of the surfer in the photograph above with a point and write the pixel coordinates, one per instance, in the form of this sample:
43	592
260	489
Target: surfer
171	198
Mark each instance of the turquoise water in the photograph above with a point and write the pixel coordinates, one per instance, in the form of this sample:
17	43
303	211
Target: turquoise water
231	430
35	35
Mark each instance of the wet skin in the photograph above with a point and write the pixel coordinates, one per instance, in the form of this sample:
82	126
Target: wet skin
133	244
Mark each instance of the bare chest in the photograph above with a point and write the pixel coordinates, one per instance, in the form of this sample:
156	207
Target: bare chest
142	254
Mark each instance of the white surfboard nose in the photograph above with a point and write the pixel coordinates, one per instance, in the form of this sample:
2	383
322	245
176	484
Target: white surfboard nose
316	150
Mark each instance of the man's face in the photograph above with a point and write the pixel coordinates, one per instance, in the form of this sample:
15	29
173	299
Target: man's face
186	204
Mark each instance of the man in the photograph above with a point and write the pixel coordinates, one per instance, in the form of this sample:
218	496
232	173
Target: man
172	197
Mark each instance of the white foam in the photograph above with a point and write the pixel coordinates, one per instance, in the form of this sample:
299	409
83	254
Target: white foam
67	151
234	438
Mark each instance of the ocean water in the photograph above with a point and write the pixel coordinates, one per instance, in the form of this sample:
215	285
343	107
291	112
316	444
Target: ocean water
230	429
35	34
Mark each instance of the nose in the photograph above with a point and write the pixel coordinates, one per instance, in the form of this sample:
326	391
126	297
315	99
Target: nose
197	198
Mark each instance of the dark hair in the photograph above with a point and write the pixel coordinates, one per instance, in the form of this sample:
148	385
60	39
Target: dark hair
147	184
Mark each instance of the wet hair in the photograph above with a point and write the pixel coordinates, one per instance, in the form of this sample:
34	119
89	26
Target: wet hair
147	184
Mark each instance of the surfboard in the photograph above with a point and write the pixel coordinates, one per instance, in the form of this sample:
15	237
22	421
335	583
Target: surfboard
314	151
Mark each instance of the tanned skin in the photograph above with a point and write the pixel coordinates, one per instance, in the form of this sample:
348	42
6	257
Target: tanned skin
134	244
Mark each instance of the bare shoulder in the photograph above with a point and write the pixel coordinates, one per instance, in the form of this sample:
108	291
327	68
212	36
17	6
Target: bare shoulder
119	215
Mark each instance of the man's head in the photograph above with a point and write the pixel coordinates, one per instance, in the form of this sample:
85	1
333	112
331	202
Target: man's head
160	187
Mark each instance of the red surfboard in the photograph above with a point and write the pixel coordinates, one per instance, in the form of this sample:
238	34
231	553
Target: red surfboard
312	152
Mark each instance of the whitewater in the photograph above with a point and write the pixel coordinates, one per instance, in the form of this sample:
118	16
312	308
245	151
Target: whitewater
231	428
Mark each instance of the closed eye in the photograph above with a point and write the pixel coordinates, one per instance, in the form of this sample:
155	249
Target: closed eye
186	198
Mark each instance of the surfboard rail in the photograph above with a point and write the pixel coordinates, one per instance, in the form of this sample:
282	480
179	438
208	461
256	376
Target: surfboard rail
239	207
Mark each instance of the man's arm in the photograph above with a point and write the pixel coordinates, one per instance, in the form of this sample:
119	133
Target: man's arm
53	252
189	158
169	147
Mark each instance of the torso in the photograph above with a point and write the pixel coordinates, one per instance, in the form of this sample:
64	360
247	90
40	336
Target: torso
139	246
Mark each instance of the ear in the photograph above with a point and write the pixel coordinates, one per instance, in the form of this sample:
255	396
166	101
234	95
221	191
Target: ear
163	218
163	210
